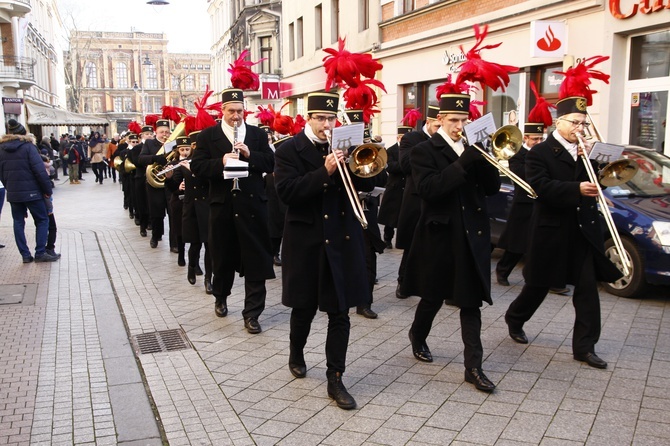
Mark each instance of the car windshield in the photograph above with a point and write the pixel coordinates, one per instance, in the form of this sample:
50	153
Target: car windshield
652	178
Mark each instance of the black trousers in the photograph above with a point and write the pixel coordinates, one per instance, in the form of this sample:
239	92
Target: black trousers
585	299
471	327
389	232
141	206
194	257
507	263
337	338
254	292
403	265
158	206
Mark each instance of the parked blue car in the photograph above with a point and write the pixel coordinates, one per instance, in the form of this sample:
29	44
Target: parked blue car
640	209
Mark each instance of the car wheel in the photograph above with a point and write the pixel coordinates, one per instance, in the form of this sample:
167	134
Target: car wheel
632	284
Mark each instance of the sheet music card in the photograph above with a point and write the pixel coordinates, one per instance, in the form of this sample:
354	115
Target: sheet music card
605	153
480	129
235	168
347	136
169	146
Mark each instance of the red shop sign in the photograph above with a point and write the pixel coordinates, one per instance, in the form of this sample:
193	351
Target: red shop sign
643	7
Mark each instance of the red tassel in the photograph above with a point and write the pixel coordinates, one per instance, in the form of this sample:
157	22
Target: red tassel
541	111
266	116
241	75
151	120
475	69
135	127
411	117
578	79
451	88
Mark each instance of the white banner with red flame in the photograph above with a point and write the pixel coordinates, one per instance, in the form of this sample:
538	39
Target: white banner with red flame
548	39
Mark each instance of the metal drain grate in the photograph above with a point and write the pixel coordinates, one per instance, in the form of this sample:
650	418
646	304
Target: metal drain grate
161	341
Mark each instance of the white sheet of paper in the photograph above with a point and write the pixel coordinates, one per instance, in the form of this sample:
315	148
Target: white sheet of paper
230	174
169	146
605	153
481	129
348	136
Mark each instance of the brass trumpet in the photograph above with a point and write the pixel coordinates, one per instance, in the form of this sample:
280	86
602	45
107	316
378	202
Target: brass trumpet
154	178
505	143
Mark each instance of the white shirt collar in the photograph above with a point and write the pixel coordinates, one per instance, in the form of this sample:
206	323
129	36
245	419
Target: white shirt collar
569	146
456	145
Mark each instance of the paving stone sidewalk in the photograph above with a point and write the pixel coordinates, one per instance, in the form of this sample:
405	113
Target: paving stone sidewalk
70	372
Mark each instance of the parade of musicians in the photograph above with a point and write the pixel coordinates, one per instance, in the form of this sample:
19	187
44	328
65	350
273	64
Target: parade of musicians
437	222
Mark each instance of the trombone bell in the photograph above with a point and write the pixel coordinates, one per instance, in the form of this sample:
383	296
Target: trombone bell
617	172
368	160
506	142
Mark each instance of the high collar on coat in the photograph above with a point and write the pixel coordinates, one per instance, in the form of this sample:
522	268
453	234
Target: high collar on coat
307	150
560	153
443	146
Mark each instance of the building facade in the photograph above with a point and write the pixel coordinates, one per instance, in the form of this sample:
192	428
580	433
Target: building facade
254	25
123	76
31	63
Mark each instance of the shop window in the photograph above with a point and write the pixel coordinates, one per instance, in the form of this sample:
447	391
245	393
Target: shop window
648	119
505	104
650	56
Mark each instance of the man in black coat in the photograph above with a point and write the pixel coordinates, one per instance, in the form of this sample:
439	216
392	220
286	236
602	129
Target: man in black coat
323	256
238	235
450	254
514	238
566	240
395	185
411	202
140	204
157	197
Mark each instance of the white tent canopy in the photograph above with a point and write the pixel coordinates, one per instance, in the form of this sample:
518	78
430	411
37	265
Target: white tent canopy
40	115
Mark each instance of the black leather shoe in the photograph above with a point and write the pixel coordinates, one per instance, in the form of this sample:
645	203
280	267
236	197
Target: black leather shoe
137	221
389	245
131	215
298	370
174	249
252	325
591	359
143	232
180	260
198	271
517	334
366	312
562	291
420	351
338	392
220	308
153	243
190	275
399	293
502	280
208	286
276	261
481	381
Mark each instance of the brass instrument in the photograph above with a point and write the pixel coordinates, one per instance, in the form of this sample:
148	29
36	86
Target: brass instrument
118	163
154	178
505	143
368	160
128	165
612	174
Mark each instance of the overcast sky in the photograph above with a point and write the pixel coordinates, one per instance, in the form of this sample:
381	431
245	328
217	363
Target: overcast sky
185	22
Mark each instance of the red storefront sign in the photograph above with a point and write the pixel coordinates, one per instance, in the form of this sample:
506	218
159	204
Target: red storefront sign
643	7
270	90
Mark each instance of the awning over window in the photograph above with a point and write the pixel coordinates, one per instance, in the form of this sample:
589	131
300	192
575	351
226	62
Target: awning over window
40	115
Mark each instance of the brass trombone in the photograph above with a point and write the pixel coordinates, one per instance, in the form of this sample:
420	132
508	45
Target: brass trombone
505	143
613	174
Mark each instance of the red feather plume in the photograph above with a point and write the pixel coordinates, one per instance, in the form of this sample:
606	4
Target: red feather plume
368	113
475	69
474	112
362	95
135	127
451	88
541	111
189	124
298	124
578	79
411	117
283	124
151	120
346	68
174	114
266	116
241	75
203	118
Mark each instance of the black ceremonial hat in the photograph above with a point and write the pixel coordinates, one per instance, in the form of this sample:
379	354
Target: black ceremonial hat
147	128
455	103
163	123
572	104
322	103
355	116
403	129
533	128
193	136
132	136
433	111
183	141
232	95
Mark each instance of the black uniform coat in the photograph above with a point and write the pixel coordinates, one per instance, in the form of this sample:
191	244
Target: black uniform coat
246	247
560	213
515	236
323	251
411	202
450	254
195	210
389	210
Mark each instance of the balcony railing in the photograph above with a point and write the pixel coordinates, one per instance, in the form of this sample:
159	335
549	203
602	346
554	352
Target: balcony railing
20	68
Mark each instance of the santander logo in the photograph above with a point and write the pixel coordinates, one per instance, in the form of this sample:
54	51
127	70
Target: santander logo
549	42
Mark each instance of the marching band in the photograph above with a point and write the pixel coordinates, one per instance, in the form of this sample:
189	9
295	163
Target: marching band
229	177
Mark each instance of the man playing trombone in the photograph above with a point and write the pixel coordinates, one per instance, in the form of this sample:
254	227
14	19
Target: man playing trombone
323	259
566	240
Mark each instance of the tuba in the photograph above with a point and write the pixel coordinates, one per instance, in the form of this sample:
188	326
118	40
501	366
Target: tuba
128	165
156	178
